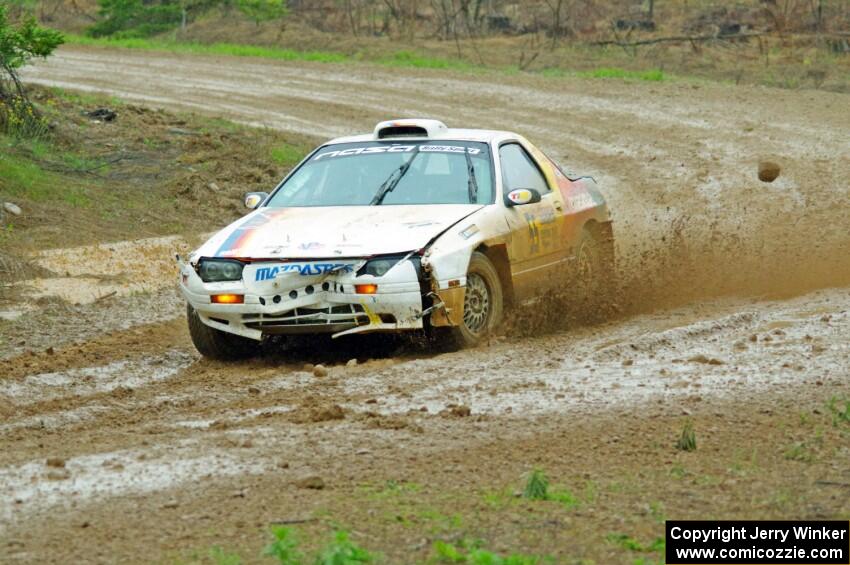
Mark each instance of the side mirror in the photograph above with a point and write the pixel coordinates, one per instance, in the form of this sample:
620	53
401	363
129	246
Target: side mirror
520	196
254	199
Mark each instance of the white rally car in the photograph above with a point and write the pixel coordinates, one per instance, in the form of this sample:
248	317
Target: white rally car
415	226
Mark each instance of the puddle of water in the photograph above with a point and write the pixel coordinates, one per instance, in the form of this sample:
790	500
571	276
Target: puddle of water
55	420
103	475
233	417
93	380
13	314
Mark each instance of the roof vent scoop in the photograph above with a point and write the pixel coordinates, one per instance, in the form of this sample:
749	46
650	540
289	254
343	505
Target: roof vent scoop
409	128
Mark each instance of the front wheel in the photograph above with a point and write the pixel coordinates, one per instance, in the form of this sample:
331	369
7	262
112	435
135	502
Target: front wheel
217	344
483	302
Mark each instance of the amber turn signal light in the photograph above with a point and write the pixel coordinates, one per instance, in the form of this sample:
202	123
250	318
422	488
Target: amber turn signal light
227	298
366	288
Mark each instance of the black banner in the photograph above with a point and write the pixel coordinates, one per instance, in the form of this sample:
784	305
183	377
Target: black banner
698	542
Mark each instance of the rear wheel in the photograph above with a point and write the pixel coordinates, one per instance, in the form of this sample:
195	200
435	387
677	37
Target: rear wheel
217	344
483	302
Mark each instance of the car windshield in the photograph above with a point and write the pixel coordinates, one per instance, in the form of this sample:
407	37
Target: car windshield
391	173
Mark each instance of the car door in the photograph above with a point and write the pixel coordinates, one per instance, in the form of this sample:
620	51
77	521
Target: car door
536	248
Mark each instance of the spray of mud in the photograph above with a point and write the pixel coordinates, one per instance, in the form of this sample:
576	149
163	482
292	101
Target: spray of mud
753	242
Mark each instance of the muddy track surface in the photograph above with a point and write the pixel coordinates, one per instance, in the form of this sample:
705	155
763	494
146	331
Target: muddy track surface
121	444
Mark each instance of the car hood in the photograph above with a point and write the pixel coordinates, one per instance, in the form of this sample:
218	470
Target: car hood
344	231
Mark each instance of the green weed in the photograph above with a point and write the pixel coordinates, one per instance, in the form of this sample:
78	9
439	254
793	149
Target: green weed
498	499
339	551
646	561
19	119
284	547
688	439
474	555
839	410
343	551
221	557
656	510
677	471
799	451
537	488
627	542
805	451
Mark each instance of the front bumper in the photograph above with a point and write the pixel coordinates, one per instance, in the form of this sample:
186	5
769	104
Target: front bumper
309	304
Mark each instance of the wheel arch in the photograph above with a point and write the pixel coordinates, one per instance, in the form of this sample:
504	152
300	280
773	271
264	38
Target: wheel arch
602	232
498	255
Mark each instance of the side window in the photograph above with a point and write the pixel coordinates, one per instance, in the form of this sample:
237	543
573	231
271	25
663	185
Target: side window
519	170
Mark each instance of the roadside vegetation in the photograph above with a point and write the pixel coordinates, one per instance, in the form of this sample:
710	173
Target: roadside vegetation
785	44
80	168
20	43
102	170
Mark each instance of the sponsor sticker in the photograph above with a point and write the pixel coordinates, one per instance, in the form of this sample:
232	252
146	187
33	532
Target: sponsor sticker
449	149
395	149
580	202
301	269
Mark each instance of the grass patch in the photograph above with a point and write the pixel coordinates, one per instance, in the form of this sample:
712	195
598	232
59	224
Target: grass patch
230	49
472	554
147	173
652	75
24	178
21	178
629	543
287	155
221	557
339	551
402	58
411	59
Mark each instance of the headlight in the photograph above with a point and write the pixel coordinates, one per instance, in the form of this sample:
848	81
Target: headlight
379	266
217	270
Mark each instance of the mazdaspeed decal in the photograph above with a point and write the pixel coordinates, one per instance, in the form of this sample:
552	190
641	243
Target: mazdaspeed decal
303	269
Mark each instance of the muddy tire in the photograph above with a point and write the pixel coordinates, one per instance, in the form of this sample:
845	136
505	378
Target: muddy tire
217	344
483	303
595	268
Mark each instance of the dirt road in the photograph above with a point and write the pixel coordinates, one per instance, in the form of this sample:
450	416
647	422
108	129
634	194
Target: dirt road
119	443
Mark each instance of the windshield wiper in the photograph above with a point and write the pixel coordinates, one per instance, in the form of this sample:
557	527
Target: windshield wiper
393	180
472	184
